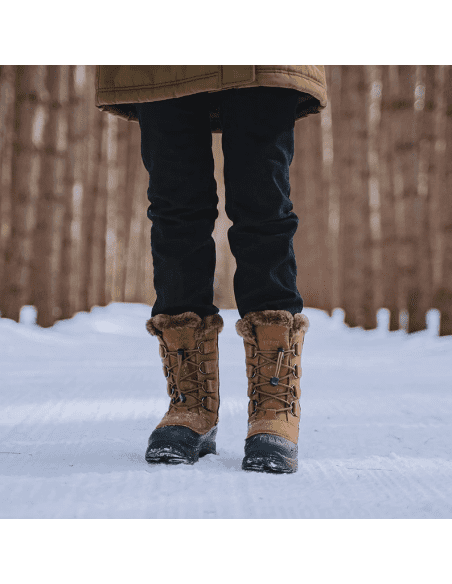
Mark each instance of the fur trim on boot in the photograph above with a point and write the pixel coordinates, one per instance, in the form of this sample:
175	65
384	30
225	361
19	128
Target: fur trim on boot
203	326
246	326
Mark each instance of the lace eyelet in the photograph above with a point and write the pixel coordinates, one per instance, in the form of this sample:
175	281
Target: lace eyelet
292	409
167	371
295	374
203	372
199	347
255	406
182	398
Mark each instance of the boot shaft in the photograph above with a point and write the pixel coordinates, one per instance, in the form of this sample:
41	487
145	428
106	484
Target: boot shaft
188	347
273	342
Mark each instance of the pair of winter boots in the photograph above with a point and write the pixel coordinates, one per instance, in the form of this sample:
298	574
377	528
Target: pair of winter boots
188	345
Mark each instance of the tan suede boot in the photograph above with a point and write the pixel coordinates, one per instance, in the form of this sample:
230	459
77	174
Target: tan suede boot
189	352
273	341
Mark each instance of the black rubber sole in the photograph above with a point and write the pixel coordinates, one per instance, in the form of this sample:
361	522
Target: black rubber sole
269	453
179	445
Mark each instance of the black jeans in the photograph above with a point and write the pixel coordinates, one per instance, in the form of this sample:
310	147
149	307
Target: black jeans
258	147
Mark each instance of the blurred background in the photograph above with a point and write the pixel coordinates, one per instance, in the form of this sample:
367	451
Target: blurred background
371	183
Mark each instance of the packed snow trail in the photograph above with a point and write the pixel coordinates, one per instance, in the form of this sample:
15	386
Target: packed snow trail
79	401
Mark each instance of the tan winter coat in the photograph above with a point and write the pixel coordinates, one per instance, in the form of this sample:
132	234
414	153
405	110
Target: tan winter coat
118	87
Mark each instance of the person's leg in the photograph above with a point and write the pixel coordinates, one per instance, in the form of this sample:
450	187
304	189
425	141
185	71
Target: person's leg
176	147
258	146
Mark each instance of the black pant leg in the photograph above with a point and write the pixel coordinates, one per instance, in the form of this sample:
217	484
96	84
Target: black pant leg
258	146
176	148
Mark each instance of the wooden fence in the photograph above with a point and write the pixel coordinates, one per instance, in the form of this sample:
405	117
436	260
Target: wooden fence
371	183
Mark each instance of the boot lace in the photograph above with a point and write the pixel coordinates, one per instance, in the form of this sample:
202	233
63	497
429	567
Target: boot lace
174	373
287	395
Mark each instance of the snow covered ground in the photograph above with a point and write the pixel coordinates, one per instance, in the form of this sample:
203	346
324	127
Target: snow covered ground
79	400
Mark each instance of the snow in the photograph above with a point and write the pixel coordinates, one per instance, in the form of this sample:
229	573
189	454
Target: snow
80	399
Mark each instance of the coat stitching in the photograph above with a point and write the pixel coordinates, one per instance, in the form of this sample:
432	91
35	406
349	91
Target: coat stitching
292	74
188	80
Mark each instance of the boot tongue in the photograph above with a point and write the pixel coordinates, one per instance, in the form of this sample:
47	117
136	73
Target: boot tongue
271	338
181	338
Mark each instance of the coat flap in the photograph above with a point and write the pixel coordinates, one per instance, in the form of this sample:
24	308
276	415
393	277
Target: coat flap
233	75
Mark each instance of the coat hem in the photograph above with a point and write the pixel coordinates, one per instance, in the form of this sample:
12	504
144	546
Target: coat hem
312	100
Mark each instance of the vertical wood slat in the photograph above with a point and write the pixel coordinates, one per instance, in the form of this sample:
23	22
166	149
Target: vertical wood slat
317	198
225	261
43	278
368	308
139	218
299	208
445	292
65	267
375	213
14	287
357	290
342	176
440	195
121	209
79	191
305	189
334	220
132	173
89	153
406	148
328	204
436	175
143	285
61	194
7	107
349	291
146	291
112	201
101	204
423	117
386	179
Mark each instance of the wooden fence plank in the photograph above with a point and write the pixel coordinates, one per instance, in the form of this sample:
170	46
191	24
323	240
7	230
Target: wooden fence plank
7	108
445	293
15	289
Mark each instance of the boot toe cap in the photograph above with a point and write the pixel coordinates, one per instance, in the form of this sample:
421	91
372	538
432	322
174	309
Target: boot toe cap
269	453
179	445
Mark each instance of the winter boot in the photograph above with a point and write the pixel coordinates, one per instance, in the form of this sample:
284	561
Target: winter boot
189	352
273	341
